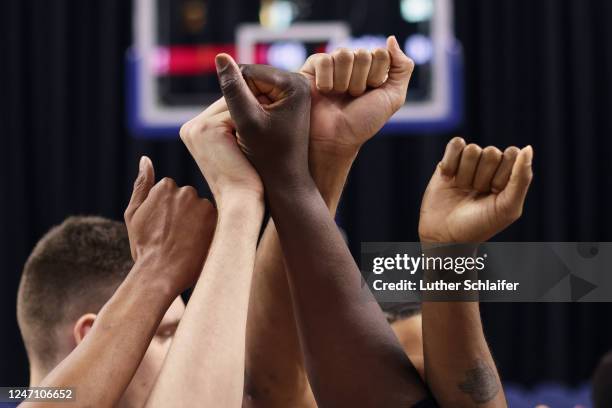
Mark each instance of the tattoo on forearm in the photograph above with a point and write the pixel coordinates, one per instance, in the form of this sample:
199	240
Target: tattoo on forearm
480	382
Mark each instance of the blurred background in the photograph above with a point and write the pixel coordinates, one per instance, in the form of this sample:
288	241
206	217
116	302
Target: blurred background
78	109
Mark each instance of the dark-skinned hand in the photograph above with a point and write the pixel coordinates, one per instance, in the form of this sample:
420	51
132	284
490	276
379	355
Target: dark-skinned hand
271	110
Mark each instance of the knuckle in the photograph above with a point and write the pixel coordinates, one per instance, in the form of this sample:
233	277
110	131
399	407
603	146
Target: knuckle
381	54
457	142
472	149
203	126
511	151
167	183
343	54
300	83
208	207
185	131
191	130
362	54
491	152
230	86
284	81
409	64
406	64
312	59
188	191
318	58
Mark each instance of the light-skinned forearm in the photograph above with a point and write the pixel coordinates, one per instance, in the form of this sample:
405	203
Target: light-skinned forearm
459	368
206	360
342	329
276	376
101	367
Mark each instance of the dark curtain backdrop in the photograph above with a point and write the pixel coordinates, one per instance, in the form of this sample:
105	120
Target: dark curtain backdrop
537	72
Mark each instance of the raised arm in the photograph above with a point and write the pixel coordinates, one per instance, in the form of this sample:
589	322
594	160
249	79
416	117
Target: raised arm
342	84
206	359
474	194
352	356
158	219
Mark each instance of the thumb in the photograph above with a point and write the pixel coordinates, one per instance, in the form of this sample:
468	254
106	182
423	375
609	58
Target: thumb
238	96
513	196
401	67
142	185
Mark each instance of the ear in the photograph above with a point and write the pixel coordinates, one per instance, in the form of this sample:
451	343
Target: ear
82	327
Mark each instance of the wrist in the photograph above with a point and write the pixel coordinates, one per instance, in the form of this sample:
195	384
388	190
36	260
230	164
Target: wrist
241	207
330	172
292	191
229	195
287	179
333	150
151	272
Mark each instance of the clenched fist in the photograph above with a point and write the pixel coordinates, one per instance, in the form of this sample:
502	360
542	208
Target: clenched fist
474	193
210	138
271	110
169	227
345	113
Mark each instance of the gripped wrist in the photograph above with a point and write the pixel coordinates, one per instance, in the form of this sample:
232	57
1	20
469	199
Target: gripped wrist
238	202
231	194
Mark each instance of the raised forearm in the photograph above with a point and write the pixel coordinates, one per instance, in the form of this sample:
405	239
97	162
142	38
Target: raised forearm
330	168
274	369
276	375
337	315
103	364
459	368
206	359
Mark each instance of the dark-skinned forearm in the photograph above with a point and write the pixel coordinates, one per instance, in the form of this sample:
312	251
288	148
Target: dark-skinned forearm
276	375
337	316
103	364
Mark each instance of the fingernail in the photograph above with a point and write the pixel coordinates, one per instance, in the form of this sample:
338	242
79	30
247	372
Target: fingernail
141	164
221	61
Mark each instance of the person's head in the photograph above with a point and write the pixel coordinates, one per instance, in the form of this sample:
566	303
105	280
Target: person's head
71	273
